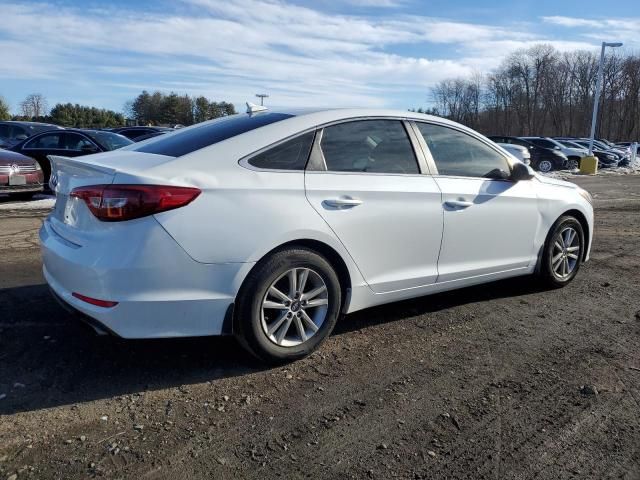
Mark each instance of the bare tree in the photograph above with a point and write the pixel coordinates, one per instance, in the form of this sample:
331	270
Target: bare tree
540	91
34	106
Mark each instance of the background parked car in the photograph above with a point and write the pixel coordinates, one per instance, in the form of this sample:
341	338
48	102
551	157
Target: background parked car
68	143
12	132
136	133
542	159
20	176
518	151
606	159
574	154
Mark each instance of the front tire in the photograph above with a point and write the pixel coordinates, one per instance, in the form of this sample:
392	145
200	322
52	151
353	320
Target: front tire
288	305
563	252
574	163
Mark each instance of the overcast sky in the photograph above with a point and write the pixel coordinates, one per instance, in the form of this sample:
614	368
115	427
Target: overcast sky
302	53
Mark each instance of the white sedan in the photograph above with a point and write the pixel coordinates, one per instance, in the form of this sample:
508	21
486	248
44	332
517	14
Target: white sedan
270	225
518	151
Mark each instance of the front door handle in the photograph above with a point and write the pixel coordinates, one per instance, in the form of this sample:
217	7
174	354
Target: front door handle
458	204
342	202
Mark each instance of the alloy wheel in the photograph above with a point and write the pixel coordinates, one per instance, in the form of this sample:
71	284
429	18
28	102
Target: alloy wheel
573	164
545	166
565	253
294	307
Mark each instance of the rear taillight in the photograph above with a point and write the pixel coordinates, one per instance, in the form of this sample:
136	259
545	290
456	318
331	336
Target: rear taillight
115	203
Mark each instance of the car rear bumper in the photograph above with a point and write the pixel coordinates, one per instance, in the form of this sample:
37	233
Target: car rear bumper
29	187
161	292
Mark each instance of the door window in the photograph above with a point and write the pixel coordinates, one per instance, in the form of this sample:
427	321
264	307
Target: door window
372	146
75	141
457	154
49	140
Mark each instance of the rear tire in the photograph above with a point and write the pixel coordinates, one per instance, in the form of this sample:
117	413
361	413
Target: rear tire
279	322
563	252
545	166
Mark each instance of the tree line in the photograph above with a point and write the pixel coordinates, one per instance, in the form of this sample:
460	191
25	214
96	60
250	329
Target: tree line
146	109
541	91
159	108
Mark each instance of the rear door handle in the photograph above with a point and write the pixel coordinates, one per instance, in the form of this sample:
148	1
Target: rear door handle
342	202
458	204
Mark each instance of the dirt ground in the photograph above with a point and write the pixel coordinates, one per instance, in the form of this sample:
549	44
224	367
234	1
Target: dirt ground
479	383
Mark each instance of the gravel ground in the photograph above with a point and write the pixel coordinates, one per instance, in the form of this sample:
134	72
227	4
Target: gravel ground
499	381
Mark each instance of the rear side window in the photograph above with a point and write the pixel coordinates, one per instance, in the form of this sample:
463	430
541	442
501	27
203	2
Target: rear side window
371	146
51	140
458	154
191	139
290	155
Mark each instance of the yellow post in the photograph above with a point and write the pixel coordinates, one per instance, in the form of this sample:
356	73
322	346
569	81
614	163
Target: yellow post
589	165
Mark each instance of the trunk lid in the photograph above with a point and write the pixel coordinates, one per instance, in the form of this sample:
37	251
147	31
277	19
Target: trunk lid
71	219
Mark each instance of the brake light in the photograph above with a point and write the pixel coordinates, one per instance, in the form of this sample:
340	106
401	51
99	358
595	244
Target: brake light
95	301
115	203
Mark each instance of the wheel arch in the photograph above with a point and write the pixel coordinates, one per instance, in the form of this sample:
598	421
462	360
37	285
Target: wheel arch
585	227
327	251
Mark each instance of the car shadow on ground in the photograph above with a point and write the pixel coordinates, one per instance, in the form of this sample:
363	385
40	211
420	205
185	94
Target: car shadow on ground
48	358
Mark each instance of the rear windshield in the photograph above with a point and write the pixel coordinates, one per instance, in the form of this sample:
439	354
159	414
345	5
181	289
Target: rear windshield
191	139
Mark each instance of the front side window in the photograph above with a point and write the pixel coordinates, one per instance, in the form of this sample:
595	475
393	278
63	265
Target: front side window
371	146
50	141
290	155
458	154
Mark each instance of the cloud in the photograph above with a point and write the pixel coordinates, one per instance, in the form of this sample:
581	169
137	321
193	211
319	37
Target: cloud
228	50
605	29
376	3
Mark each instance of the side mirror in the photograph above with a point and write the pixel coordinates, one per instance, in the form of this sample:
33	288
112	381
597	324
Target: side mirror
497	174
520	171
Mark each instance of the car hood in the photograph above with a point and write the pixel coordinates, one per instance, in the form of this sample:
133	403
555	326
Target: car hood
8	157
576	151
555	181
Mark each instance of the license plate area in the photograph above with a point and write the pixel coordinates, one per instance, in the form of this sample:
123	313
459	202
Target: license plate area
17	180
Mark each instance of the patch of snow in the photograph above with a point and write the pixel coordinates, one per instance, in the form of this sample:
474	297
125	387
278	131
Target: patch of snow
39	202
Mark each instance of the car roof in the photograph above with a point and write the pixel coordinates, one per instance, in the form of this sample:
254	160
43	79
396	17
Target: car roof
33	124
231	149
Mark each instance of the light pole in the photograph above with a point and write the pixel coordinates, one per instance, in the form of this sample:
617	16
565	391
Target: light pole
596	100
262	96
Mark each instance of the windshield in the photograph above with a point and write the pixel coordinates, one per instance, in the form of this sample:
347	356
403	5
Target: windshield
543	142
109	140
569	144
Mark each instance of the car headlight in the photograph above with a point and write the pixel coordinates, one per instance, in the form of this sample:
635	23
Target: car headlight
586	195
